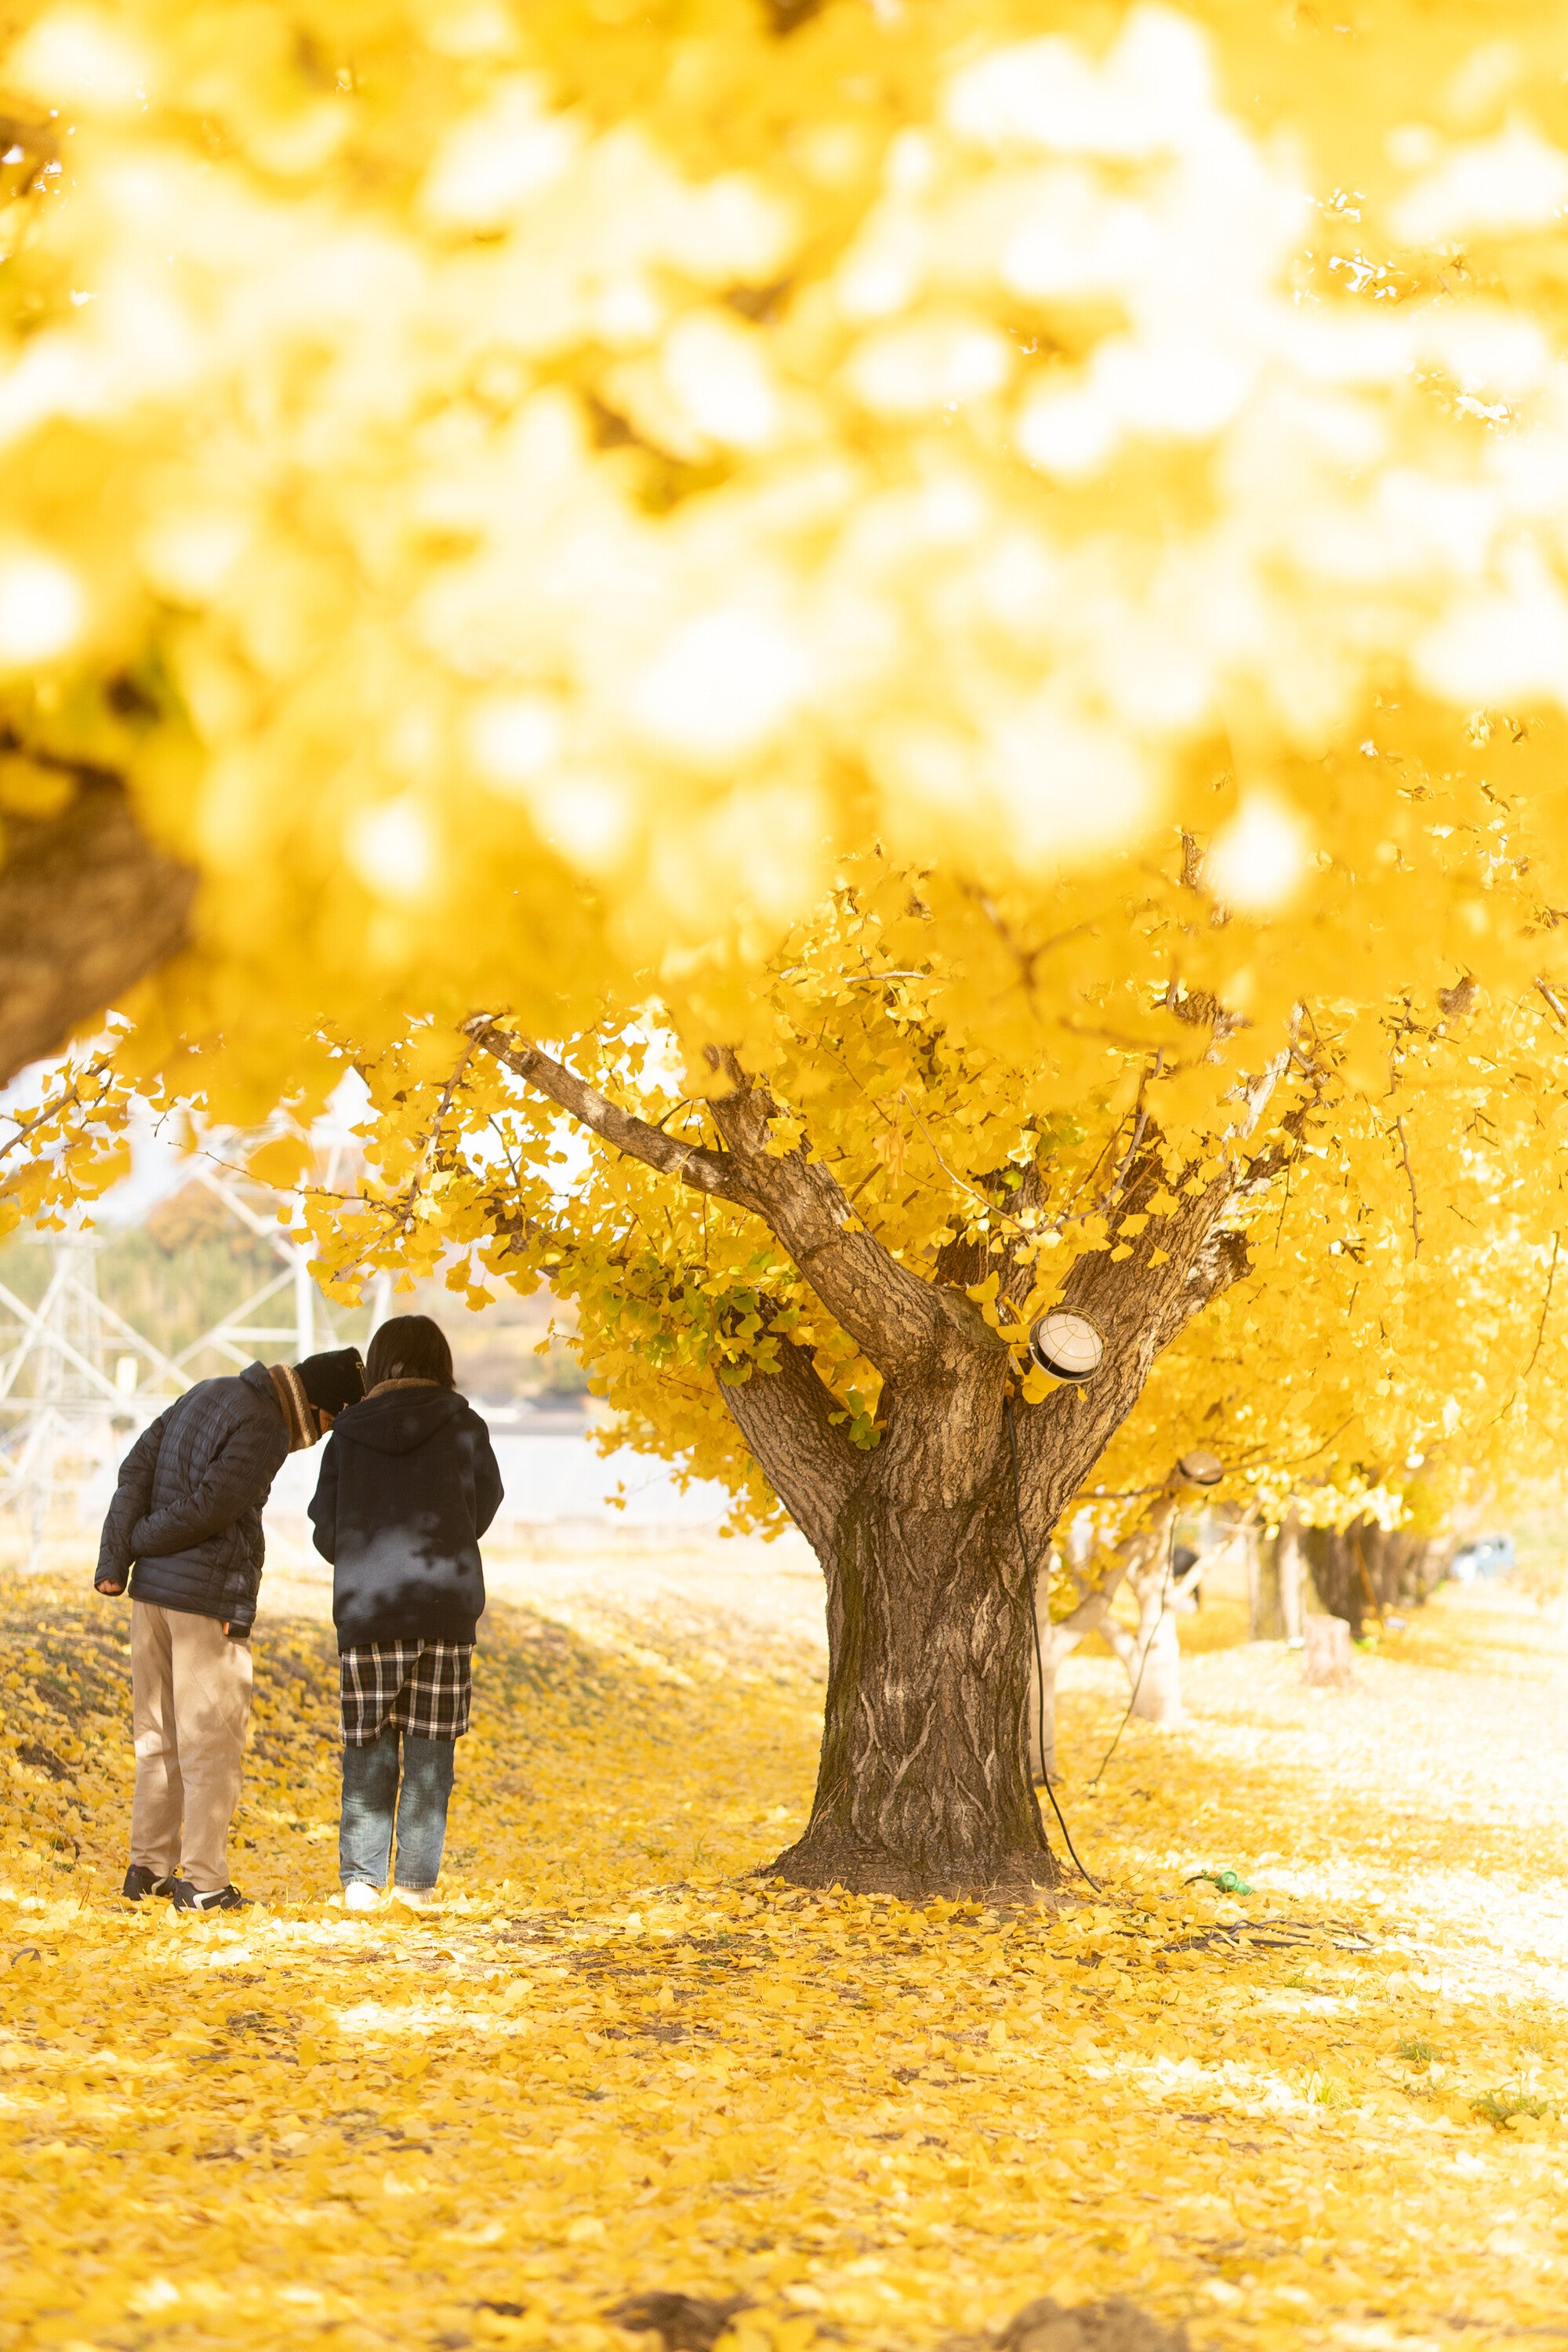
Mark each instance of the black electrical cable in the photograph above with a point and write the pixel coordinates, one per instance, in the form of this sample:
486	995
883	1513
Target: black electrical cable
1138	1681
1040	1660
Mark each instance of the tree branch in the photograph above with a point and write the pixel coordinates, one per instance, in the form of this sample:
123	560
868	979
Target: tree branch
1545	1307
707	1172
786	1419
906	1326
1138	1308
1088	1613
22	1128
910	1328
785	1415
1410	1179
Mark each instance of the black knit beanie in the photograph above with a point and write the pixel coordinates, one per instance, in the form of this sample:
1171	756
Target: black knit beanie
333	1380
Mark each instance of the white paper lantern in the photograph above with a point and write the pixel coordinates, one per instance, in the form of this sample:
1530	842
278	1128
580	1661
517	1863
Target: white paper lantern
1066	1345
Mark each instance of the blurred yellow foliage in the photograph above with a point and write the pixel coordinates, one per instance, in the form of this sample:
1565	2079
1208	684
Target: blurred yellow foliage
458	455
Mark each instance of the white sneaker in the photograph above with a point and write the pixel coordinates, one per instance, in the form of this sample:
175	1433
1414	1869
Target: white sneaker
360	1895
418	1898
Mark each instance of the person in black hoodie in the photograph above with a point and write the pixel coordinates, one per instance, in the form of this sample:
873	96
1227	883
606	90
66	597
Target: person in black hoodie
409	1486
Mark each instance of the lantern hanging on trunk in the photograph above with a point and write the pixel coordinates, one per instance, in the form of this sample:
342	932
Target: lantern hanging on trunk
1066	1348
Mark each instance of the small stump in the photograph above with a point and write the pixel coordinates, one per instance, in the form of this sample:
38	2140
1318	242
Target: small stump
1328	1653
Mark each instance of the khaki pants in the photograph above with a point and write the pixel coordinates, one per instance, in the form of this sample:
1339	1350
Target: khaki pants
190	1705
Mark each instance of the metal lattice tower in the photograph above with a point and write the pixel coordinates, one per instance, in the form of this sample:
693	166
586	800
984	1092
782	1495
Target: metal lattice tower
57	1424
66	1418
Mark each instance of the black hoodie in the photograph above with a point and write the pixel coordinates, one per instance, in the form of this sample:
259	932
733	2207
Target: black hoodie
409	1486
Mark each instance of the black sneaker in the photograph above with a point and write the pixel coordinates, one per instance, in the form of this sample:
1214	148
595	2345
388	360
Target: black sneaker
141	1882
188	1898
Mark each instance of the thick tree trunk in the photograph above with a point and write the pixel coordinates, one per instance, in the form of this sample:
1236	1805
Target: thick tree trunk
925	1787
1407	1568
1364	1571
922	1789
1334	1575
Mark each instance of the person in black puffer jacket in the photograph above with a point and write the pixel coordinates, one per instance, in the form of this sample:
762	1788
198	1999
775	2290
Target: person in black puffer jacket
409	1486
184	1527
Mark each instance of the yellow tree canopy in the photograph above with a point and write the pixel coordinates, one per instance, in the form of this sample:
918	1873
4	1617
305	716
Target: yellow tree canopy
1402	1220
1007	572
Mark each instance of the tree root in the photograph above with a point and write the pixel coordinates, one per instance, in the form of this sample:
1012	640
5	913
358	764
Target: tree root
1032	1879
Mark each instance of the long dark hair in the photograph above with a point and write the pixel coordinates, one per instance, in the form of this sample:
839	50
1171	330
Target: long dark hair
409	1347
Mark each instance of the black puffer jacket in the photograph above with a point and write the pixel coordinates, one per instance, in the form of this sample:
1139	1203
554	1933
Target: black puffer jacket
188	1510
409	1486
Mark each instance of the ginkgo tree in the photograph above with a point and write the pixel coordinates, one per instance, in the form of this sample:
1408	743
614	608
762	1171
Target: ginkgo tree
819	1260
942	628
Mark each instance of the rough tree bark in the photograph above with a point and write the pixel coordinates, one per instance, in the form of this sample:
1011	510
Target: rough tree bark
88	906
923	1788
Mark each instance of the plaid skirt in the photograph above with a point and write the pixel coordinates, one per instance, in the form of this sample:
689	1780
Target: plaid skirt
426	1688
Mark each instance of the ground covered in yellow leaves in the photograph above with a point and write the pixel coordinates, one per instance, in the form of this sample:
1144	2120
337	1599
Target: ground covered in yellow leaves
1322	2114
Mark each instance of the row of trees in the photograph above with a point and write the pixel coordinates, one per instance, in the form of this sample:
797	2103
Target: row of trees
1360	1572
874	671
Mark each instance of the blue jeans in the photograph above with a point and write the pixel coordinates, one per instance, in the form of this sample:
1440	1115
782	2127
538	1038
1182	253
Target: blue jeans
372	1797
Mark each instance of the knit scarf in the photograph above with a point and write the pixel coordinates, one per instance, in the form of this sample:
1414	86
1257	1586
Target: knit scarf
298	1412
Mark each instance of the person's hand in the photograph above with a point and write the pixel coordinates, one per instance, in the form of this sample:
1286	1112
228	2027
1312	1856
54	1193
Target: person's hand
105	1587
